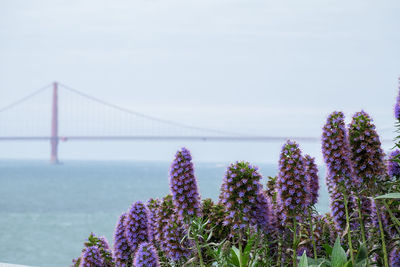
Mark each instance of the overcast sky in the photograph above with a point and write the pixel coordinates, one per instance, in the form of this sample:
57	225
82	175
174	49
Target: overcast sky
249	66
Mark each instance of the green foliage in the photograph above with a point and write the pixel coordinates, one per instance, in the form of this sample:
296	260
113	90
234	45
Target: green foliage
336	257
248	257
389	196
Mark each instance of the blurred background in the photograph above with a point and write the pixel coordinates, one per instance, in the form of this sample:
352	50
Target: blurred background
167	69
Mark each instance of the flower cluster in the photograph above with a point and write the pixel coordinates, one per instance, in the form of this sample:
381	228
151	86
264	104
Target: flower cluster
292	185
394	257
397	106
91	257
184	186
388	227
153	205
169	231
262	213
146	256
366	209
162	216
274	208
175	248
393	167
96	249
122	250
338	210
239	194
367	156
215	214
312	177
336	152
136	225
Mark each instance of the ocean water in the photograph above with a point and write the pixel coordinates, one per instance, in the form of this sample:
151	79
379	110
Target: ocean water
47	211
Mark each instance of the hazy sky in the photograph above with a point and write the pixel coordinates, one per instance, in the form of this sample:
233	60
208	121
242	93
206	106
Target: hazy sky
250	66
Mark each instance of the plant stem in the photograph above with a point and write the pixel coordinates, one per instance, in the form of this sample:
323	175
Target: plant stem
348	228
196	239
312	233
240	248
294	242
384	251
279	261
361	218
396	222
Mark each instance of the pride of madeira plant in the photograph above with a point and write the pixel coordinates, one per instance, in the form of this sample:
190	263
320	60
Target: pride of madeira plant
252	225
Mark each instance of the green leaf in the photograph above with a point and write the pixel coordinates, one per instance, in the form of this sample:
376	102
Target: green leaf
316	262
339	257
348	264
328	249
362	263
234	259
362	255
303	260
390	195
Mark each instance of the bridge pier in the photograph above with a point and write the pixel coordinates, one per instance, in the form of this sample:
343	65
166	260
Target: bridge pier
54	126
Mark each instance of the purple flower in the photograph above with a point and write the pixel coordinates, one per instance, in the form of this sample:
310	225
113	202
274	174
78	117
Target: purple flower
215	214
367	156
91	257
174	248
239	192
136	225
339	179
292	185
388	227
146	256
122	250
393	167
162	215
262	212
183	186
312	178
169	231
394	257
338	210
336	152
397	105
153	205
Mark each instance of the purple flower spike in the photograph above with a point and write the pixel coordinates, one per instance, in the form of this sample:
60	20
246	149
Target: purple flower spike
397	105
312	177
162	217
292	185
153	205
146	256
91	257
338	210
169	231
122	250
388	227
136	225
367	155
183	186
239	193
393	167
394	257
262	212
175	249
336	152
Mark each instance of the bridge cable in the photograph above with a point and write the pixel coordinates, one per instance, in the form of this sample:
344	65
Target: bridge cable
125	110
16	103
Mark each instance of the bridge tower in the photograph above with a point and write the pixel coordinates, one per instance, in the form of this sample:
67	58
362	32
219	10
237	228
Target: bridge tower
54	126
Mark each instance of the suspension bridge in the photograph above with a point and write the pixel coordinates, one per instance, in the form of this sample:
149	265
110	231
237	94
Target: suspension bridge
60	123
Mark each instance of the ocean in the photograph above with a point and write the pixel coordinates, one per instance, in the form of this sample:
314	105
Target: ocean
47	211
